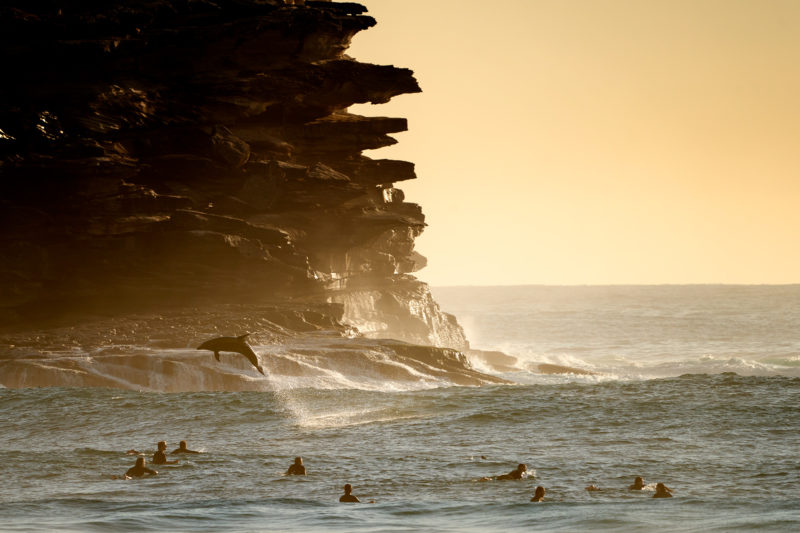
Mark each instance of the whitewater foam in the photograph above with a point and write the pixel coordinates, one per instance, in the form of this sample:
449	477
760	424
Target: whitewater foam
634	332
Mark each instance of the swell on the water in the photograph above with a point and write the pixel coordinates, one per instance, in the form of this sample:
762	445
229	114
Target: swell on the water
632	332
525	366
525	335
322	362
340	363
158	352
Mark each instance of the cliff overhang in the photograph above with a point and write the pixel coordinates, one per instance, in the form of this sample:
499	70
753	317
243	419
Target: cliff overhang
169	154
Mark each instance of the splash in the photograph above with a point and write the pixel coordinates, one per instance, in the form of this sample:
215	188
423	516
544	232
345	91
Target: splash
316	362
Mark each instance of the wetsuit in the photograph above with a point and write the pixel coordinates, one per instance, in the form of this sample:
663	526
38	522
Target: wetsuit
139	471
184	450
514	474
296	470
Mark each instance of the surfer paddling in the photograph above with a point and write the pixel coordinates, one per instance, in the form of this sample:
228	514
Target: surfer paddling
518	473
235	345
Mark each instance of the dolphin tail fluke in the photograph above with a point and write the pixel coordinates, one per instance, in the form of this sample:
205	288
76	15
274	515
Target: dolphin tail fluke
261	370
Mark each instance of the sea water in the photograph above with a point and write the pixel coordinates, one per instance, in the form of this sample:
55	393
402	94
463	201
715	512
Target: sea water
697	387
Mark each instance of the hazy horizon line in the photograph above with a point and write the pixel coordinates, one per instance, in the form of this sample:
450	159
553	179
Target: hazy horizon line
508	285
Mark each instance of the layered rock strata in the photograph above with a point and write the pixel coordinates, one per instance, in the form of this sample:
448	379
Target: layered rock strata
180	153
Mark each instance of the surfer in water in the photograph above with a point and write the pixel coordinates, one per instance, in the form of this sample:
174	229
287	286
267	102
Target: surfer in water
160	458
662	491
538	495
638	484
348	495
139	469
519	473
182	448
297	469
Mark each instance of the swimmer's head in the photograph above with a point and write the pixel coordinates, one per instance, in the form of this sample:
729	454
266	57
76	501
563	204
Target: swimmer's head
639	482
539	492
140	461
522	467
162	445
298	460
348	488
182	445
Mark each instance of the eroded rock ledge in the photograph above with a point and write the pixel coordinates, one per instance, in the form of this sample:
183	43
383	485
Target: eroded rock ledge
176	153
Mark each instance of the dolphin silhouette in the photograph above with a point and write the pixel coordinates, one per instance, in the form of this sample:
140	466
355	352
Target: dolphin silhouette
232	344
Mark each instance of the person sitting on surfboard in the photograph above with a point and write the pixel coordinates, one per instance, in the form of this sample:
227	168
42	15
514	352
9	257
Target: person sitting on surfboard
297	469
638	484
160	458
662	491
139	469
538	495
348	496
182	448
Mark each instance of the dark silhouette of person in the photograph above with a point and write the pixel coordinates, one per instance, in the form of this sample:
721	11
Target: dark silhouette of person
638	484
348	496
538	495
182	448
160	458
515	474
592	488
139	469
662	491
297	469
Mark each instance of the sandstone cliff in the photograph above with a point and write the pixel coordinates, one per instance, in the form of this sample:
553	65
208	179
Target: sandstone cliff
168	154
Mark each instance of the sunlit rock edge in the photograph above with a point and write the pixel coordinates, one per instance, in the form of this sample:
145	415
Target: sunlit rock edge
166	164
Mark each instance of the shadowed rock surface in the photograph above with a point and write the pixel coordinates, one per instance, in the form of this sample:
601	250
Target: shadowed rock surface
187	154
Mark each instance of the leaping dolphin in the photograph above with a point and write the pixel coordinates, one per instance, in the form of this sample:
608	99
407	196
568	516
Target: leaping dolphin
232	344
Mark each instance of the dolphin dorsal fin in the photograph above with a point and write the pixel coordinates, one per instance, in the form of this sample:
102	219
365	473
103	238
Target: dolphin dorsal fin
243	337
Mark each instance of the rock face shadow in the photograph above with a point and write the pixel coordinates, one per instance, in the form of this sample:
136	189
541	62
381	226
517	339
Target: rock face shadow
159	158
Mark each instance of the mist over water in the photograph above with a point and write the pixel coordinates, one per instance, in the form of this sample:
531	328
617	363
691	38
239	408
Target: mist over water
636	332
695	387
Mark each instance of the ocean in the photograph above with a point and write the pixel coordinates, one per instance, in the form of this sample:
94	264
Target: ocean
696	387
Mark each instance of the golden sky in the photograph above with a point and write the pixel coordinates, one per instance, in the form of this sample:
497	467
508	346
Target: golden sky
598	141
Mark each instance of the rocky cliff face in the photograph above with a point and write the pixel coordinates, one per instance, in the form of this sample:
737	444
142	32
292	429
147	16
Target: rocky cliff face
177	153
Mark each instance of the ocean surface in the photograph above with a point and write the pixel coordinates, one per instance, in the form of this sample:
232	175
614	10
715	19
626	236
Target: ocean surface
697	387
